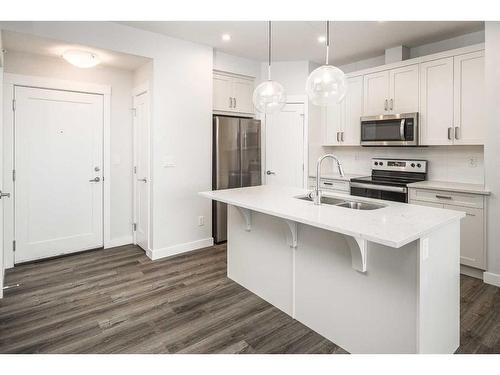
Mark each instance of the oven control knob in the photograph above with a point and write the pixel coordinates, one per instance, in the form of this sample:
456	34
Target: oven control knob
413	165
419	165
381	163
376	163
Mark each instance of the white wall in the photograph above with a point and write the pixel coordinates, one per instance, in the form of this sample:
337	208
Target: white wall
121	124
417	51
291	74
181	122
491	154
237	65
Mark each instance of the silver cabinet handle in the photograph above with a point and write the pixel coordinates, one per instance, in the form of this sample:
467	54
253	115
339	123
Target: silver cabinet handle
385	105
338	139
443	197
97	179
450	133
230	102
396	189
234	102
2	195
342	136
457	132
142	179
391	105
270	172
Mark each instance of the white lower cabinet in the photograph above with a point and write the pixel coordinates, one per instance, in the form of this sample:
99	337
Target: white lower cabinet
472	227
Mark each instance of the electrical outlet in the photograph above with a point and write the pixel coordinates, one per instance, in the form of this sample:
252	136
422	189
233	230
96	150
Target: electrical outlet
201	221
472	162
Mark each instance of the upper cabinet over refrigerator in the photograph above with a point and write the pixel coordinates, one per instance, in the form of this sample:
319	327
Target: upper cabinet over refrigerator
232	94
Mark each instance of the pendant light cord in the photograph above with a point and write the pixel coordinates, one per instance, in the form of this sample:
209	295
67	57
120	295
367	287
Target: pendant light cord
269	35
327	41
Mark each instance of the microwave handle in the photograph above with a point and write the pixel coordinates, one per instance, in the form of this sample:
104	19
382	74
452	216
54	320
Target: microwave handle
402	129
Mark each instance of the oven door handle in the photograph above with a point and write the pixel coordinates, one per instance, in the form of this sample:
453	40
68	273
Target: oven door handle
402	129
396	189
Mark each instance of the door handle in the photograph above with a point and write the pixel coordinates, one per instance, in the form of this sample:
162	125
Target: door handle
270	172
2	195
142	180
97	179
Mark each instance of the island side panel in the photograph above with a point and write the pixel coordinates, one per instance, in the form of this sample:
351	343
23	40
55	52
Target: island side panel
261	259
439	291
372	312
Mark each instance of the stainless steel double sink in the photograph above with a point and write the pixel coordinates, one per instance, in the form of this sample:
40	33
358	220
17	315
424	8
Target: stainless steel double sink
354	205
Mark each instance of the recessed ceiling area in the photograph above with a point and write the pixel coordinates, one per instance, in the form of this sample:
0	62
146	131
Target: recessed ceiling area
298	40
26	43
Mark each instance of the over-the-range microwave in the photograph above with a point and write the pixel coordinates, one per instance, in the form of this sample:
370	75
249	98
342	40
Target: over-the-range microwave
390	130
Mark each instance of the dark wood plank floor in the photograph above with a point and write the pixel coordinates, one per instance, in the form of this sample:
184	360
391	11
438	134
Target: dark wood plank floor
118	301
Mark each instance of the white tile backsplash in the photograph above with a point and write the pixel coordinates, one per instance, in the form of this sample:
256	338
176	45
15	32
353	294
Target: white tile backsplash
446	163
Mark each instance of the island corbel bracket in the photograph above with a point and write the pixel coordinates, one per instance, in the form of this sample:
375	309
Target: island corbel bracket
247	215
292	225
359	250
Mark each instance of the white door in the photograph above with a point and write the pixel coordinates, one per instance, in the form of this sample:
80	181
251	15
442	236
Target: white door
436	102
285	146
141	170
1	184
58	172
222	100
470	117
376	93
403	89
242	94
353	110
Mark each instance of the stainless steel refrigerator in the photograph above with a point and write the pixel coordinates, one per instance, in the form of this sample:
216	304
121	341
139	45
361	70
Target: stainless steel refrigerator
236	162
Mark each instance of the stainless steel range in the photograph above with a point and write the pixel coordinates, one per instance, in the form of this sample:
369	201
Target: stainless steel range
389	179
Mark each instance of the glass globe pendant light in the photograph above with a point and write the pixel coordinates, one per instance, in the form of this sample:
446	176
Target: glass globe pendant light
269	96
327	84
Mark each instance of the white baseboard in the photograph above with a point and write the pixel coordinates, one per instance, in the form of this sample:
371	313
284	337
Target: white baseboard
471	271
119	242
491	278
155	254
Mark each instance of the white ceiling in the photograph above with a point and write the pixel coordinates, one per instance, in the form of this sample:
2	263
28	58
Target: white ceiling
297	40
13	41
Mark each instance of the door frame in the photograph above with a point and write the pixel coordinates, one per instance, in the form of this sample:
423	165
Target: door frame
143	88
291	99
9	84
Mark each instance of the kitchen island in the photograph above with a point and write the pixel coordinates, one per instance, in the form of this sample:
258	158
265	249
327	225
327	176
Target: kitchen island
381	280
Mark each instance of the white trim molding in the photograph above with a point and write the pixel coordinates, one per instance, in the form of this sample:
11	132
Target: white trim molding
155	254
491	278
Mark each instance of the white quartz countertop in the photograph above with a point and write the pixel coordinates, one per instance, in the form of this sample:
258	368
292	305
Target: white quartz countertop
336	176
394	225
458	187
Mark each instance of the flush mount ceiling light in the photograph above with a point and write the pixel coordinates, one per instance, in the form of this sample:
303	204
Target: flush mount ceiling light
81	59
269	96
327	84
226	37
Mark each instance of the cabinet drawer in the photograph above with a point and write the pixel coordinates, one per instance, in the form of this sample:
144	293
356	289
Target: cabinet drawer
330	184
334	185
446	197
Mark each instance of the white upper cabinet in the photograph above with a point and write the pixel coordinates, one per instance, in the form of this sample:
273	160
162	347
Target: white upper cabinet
436	102
452	100
391	91
469	87
403	89
232	93
353	112
376	93
341	122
